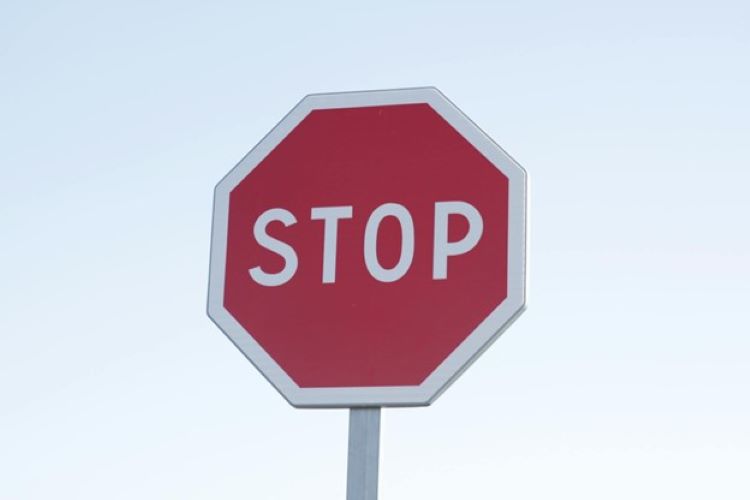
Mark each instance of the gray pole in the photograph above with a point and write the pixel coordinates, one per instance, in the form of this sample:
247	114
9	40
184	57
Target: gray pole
364	452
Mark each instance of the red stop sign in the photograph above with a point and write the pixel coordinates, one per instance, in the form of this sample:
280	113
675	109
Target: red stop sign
368	249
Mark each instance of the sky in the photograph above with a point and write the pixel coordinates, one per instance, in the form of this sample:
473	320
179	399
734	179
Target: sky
627	377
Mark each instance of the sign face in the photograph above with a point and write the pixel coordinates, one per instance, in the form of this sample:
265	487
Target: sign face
368	249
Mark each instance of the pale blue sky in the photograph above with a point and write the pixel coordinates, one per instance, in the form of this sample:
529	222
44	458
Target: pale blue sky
626	378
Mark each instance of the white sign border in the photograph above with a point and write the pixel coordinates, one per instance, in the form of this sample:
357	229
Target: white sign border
465	354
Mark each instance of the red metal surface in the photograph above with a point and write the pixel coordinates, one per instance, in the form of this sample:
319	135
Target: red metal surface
360	332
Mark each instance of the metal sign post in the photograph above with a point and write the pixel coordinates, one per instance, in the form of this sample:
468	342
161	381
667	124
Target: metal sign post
364	453
299	225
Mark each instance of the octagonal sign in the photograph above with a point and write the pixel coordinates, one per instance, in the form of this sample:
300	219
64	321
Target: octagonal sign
368	249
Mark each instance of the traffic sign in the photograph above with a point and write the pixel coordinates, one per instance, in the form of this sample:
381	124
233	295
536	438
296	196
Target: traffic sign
368	249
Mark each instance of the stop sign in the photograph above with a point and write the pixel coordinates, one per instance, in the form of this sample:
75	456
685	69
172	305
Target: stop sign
368	249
